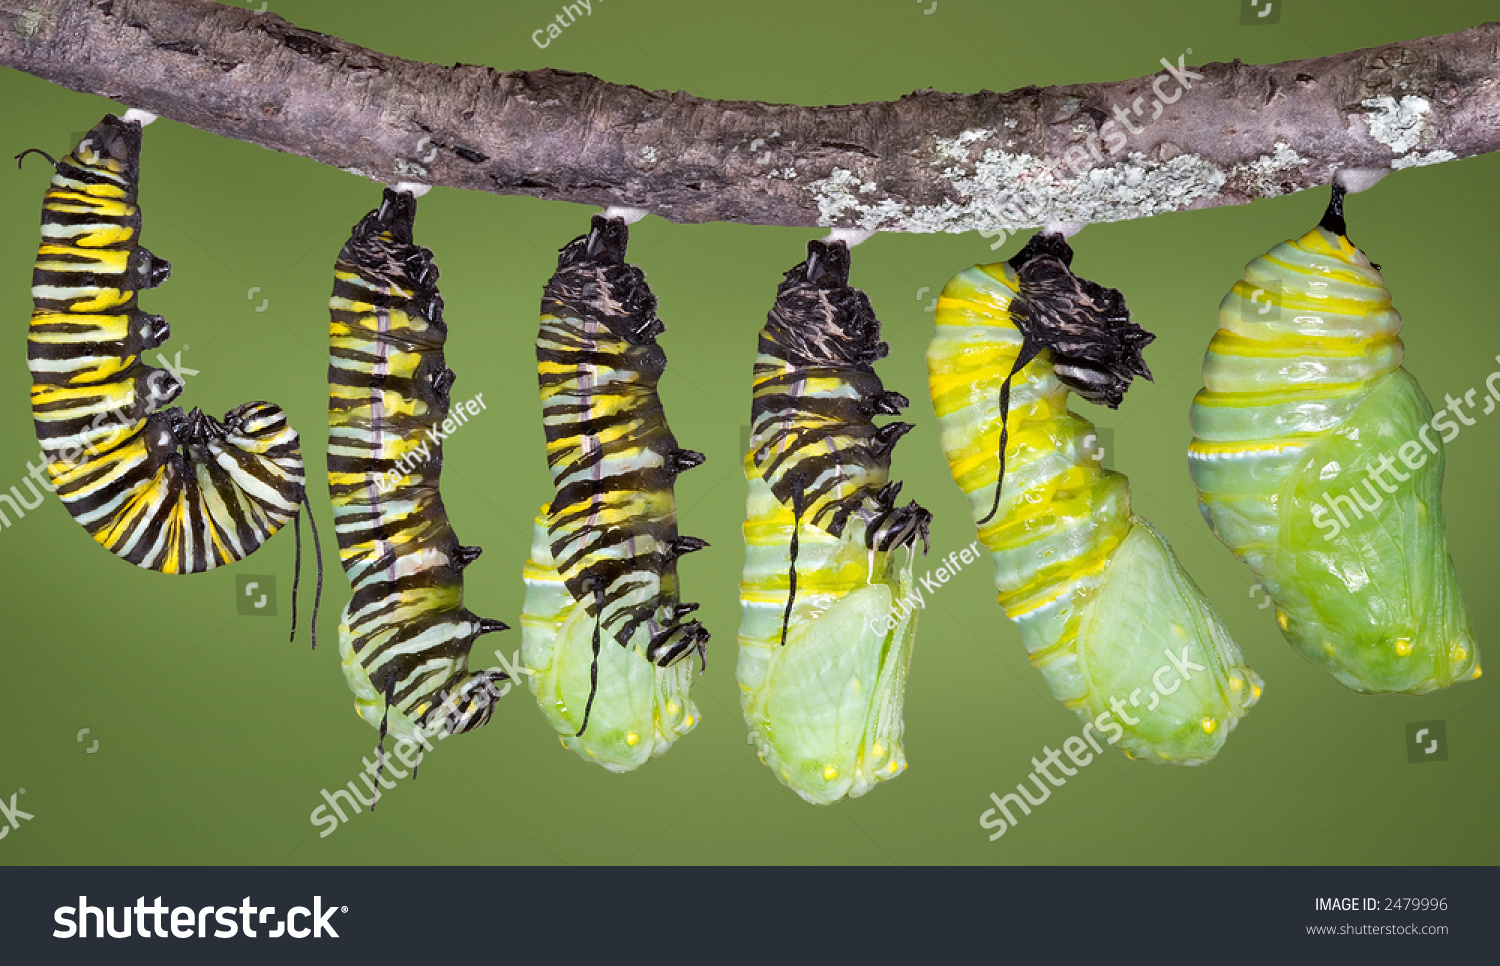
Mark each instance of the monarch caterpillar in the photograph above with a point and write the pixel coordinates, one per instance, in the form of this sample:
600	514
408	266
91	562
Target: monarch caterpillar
174	492
824	647
1305	407
405	634
1121	634
604	554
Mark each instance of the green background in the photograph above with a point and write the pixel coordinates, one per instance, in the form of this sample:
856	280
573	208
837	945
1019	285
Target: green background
216	735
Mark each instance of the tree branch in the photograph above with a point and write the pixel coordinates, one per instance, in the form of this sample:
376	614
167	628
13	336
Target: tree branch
930	161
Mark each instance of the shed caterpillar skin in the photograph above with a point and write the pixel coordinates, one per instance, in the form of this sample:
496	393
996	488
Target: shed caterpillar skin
173	492
1305	408
605	635
405	636
822	658
1122	635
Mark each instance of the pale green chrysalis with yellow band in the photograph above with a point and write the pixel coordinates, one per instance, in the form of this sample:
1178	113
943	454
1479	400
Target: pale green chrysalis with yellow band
640	708
1121	634
825	708
1318	461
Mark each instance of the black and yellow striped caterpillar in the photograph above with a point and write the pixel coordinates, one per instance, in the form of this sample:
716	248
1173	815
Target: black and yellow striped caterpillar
169	491
604	555
825	635
405	635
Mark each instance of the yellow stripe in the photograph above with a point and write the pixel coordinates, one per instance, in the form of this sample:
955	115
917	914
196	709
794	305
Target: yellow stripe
1226	343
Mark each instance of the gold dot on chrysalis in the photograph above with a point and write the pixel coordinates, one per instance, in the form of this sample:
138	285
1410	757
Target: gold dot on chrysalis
1208	725
1403	646
671	707
1281	620
1235	684
1255	690
1477	671
1460	653
830	773
632	738
878	749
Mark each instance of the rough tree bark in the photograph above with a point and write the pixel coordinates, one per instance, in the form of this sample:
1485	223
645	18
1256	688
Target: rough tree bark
1182	138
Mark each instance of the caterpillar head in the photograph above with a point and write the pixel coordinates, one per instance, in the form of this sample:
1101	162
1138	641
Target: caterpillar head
1096	348
818	319
253	440
256	427
899	526
467	706
678	640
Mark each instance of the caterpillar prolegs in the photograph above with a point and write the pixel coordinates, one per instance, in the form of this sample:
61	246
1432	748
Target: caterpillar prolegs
1121	634
405	635
824	647
169	491
604	634
1305	410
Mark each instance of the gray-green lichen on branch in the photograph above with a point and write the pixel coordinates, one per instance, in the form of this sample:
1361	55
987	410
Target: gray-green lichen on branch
1184	137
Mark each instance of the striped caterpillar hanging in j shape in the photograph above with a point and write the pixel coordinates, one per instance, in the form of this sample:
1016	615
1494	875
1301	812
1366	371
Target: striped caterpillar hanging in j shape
1305	409
405	636
169	491
826	634
1121	634
605	636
